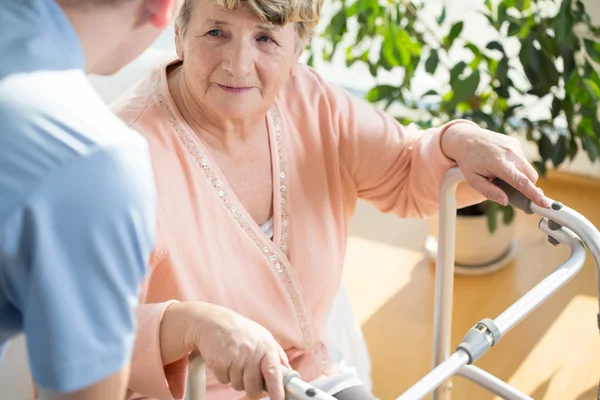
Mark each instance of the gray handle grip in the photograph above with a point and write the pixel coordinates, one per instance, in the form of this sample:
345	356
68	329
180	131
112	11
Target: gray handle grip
515	198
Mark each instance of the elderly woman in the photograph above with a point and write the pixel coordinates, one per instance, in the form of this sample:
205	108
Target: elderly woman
259	165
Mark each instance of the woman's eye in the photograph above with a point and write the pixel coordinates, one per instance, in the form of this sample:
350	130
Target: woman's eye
264	39
214	32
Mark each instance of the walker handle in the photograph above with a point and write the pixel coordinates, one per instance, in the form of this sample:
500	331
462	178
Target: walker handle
515	198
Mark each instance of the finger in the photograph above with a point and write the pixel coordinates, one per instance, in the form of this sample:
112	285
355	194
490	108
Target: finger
283	358
221	373
254	383
532	174
236	375
487	189
509	173
271	371
528	170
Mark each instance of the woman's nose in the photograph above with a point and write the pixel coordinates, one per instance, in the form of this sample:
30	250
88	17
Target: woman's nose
239	59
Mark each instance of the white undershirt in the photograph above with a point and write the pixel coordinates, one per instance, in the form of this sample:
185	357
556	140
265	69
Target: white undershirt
345	377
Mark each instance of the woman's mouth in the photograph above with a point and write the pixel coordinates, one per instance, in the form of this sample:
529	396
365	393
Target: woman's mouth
236	89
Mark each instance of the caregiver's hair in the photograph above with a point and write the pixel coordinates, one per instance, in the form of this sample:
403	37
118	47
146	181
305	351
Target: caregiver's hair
304	13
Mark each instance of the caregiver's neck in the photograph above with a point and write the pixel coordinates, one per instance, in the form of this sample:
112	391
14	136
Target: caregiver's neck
217	131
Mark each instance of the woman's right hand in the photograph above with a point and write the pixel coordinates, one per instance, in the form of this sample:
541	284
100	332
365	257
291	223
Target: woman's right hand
236	349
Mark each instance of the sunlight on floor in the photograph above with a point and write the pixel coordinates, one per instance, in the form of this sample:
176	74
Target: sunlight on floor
389	270
563	352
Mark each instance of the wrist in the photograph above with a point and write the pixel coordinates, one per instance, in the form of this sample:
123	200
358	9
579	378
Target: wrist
177	332
446	143
448	140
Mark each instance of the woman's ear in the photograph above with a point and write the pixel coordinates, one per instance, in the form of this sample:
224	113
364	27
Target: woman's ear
296	61
179	43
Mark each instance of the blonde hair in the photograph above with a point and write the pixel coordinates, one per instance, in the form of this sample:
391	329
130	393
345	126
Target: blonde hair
304	13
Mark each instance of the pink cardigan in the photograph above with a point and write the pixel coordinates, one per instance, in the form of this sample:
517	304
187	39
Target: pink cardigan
328	150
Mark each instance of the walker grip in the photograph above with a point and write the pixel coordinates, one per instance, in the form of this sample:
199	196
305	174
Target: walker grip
515	198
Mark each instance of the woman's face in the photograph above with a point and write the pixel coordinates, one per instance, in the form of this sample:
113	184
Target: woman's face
234	63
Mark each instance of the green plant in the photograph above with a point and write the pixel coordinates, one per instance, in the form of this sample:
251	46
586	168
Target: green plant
557	64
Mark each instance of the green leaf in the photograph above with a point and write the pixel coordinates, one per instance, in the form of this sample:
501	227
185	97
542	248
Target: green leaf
560	151
541	167
502	13
337	26
549	46
592	48
502	91
489	18
592	88
545	147
556	107
474	49
475	62
380	92
488	4
373	69
432	62
454	33
430	93
388	52
563	22
456	71
523	5
531	64
495	45
513	29
509	214
502	71
568	60
573	148
549	74
539	69
464	90
480	117
511	110
492	215
442	17
590	147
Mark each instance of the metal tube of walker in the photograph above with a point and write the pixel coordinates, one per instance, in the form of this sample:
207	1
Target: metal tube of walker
549	285
436	377
508	319
492	383
297	389
444	275
582	228
564	216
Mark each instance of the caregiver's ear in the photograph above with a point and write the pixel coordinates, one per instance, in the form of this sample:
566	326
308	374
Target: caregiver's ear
162	11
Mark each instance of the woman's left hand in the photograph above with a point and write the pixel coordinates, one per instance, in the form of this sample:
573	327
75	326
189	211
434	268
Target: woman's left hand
483	155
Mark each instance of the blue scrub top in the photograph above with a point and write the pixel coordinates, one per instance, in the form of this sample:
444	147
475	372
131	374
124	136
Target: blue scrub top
77	205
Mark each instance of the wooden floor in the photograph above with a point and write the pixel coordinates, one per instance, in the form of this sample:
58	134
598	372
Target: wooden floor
553	354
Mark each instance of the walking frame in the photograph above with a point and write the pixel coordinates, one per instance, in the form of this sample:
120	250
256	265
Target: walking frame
562	225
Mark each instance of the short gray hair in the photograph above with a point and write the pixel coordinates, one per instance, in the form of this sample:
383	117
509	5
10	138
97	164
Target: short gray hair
304	13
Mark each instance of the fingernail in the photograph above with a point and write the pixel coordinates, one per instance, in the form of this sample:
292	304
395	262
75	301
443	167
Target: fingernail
546	202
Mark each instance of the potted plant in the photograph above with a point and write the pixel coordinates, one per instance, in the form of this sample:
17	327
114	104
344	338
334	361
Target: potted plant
544	54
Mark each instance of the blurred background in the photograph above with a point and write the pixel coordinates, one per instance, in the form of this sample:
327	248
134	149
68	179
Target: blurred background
525	68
